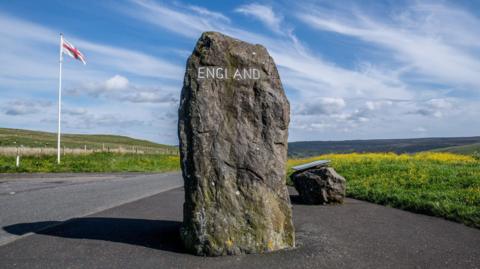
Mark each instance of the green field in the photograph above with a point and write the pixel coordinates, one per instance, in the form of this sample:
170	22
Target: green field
28	138
438	184
95	162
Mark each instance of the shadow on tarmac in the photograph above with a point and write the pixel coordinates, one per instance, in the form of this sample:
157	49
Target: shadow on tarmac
296	200
156	234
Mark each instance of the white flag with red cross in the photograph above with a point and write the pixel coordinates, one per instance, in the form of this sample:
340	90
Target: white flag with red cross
71	51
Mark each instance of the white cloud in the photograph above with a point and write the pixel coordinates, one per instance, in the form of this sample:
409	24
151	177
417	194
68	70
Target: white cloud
111	86
435	107
25	107
133	62
208	13
325	105
116	83
423	47
263	13
149	97
119	88
377	104
420	129
181	21
74	111
90	120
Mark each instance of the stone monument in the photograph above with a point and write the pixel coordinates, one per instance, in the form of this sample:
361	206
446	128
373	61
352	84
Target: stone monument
233	130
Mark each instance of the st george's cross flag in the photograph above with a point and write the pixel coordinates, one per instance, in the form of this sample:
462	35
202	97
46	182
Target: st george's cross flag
71	51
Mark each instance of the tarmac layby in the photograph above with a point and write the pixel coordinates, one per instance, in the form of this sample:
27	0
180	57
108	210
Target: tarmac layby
44	198
145	234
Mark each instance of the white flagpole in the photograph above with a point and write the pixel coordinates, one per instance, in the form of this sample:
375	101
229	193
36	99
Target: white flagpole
59	98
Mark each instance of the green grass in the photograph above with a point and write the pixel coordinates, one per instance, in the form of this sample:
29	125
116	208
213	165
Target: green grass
27	138
438	184
95	162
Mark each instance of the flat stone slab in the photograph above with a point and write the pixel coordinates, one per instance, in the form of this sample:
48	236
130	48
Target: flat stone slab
143	234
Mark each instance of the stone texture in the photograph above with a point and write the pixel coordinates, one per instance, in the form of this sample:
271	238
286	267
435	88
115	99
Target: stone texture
320	186
233	146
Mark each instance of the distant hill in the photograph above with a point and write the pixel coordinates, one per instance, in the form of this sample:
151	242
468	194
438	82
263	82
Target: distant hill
465	149
465	145
27	138
462	145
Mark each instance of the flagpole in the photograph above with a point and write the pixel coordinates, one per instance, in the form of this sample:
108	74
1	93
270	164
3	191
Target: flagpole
59	98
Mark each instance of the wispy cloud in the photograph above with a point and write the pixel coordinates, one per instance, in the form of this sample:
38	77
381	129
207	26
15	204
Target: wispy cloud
25	107
180	20
130	61
90	120
421	38
264	13
208	13
301	69
321	106
438	107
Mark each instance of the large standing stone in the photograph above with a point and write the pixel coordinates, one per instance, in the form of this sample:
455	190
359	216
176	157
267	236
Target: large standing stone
233	146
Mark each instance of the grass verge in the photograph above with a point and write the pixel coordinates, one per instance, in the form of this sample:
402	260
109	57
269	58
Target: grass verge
95	162
438	184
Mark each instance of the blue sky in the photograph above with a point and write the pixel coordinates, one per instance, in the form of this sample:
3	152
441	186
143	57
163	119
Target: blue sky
351	69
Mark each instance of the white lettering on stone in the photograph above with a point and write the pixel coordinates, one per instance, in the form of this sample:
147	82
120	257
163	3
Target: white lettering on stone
211	72
256	74
237	74
247	73
201	72
219	73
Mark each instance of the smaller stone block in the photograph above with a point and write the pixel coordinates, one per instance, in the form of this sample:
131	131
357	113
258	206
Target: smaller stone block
321	185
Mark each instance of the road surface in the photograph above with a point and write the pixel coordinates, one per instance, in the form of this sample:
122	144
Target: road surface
46	198
145	234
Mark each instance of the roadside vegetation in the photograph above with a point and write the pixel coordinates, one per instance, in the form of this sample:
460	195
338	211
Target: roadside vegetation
94	162
439	184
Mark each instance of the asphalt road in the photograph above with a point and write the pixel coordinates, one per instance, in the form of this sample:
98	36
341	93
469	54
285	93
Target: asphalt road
47	198
144	234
